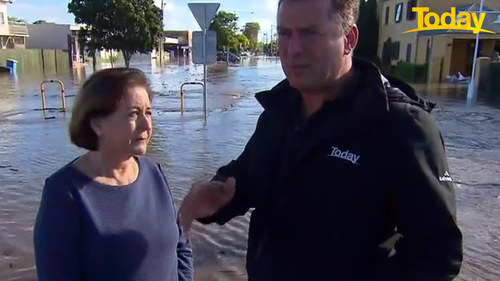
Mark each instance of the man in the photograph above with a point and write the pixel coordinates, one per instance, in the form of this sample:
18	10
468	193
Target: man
339	159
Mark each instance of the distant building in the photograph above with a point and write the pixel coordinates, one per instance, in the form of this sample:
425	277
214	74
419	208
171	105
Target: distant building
49	36
54	36
178	42
446	51
12	33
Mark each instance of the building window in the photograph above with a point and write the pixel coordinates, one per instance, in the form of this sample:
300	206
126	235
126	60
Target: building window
387	11
408	52
411	15
398	13
395	51
2	18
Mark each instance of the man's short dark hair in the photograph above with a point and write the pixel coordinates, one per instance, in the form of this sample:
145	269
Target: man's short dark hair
345	11
99	96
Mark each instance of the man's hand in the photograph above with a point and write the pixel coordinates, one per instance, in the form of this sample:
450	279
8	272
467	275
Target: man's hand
205	199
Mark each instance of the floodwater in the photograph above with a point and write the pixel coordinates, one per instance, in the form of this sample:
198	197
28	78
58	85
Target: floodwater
32	147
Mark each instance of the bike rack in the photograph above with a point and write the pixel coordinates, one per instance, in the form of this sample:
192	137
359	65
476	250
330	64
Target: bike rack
182	93
63	97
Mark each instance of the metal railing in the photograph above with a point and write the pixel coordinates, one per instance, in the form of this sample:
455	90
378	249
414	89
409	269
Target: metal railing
63	96
182	94
18	28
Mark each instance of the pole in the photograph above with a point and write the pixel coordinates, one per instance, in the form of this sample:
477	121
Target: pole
430	65
271	43
471	90
265	49
205	96
162	37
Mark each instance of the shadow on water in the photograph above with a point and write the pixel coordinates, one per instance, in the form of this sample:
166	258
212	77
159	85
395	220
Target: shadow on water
31	148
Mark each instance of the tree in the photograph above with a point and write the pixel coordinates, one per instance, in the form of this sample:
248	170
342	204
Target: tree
226	26
129	26
240	42
89	39
16	20
251	31
40	22
368	24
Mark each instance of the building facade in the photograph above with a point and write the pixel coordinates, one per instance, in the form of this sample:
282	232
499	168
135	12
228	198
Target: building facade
13	33
446	52
48	36
184	42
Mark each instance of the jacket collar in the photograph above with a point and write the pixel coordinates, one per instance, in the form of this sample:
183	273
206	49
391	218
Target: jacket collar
372	97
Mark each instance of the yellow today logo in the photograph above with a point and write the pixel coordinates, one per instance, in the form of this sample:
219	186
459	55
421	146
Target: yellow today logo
464	21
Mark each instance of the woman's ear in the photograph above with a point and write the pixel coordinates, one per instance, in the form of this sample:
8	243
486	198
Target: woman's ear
96	125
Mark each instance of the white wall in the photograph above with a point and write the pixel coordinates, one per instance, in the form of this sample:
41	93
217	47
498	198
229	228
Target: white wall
48	36
4	24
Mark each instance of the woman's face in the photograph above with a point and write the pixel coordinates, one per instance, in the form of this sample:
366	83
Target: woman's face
128	130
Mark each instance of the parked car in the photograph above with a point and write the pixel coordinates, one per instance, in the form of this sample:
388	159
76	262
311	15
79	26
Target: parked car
225	56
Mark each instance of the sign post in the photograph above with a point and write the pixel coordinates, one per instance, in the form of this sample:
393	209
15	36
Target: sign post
204	13
211	47
471	89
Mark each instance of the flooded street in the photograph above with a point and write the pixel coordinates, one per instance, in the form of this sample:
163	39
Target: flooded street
32	148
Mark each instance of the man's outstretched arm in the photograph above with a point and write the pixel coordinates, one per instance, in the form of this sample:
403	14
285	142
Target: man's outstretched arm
431	246
238	169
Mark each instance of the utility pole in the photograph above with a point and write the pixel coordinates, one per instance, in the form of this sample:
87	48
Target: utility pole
161	46
271	39
273	36
265	49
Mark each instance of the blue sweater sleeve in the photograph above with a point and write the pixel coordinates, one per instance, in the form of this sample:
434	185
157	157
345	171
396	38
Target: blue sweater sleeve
57	235
184	251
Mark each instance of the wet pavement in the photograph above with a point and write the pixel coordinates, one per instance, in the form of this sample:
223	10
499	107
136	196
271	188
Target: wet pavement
33	147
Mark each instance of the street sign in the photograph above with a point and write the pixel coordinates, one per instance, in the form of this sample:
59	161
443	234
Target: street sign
204	13
197	49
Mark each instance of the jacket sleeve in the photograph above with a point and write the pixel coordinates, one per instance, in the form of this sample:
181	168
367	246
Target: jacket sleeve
185	267
238	169
425	207
57	235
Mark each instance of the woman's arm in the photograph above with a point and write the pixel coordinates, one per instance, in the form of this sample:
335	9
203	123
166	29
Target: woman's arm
184	252
57	234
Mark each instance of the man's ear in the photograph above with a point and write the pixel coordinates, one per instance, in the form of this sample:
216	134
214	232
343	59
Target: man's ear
351	39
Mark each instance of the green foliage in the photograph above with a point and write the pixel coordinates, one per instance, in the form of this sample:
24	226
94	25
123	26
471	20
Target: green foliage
493	83
368	24
270	48
89	37
226	26
251	31
17	20
40	22
409	72
240	41
129	26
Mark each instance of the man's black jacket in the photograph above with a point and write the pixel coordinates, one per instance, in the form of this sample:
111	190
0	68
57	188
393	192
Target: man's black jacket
327	193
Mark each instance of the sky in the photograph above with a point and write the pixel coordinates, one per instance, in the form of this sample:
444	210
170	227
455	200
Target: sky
177	14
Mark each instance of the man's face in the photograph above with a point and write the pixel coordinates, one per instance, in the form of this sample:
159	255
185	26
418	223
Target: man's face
311	43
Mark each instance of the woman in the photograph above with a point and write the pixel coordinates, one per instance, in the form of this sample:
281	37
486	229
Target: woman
109	214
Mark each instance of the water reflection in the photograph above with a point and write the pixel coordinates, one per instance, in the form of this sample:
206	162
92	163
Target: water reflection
31	148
